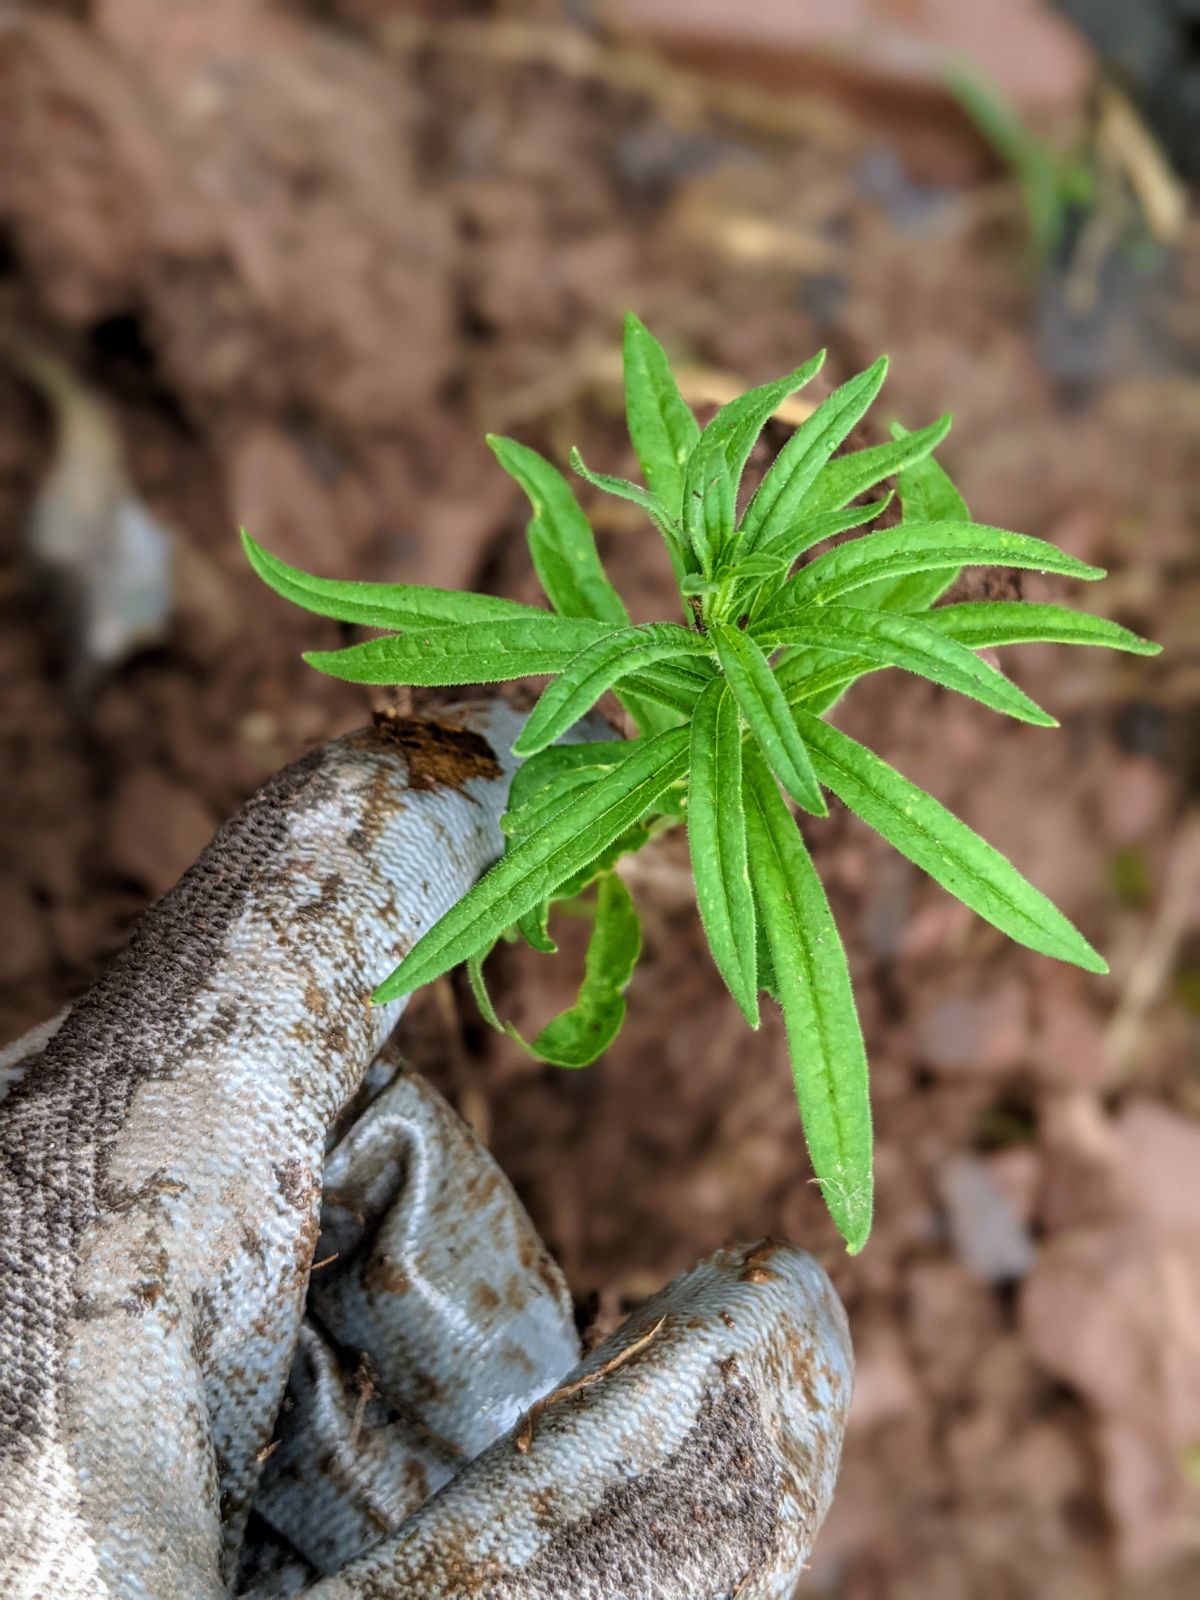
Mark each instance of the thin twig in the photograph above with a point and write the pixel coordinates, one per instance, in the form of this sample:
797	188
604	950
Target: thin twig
531	1418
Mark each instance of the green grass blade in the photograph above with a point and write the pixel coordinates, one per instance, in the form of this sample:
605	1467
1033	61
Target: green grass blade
906	642
921	828
480	652
597	669
661	425
829	1061
849	476
780	497
987	624
561	542
923	547
724	448
1050	184
767	714
717	839
379	605
532	870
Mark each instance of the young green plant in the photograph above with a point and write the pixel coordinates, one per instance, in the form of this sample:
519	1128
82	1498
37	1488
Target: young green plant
730	705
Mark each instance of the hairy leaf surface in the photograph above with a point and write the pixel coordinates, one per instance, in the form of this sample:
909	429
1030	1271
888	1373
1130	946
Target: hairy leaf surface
717	839
539	863
921	828
767	715
829	1061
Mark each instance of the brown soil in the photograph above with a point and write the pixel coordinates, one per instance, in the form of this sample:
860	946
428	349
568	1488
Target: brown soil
308	255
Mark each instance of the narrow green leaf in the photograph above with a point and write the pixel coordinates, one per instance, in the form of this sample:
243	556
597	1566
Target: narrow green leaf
692	584
922	547
849	476
623	489
927	494
778	554
906	642
580	1034
481	652
534	928
627	843
767	981
670	684
537	783
829	1061
533	869
717	506
817	679
984	624
767	714
598	668
764	564
479	988
666	524
921	828
563	550
537	810
717	838
723	450
780	497
807	531
561	541
380	605
661	425
536	778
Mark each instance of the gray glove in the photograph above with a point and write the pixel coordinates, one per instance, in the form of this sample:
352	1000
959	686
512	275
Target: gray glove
185	1412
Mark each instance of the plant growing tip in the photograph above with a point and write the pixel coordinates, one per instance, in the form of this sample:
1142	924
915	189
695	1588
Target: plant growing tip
730	710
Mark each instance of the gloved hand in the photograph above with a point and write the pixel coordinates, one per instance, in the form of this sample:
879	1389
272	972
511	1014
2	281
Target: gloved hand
169	1177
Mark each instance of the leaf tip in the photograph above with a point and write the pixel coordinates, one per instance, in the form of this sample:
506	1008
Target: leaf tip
749	1009
856	1220
393	987
255	554
321	661
524	746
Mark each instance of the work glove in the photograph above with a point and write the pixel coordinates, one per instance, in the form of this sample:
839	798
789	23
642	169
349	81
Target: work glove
273	1322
